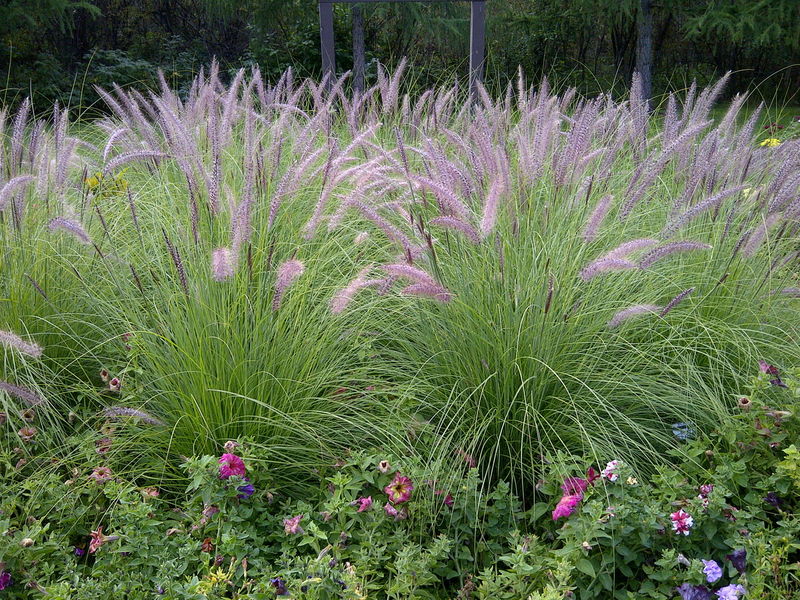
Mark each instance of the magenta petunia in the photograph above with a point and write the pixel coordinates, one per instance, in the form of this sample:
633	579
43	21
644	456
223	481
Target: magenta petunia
399	490
364	503
682	522
566	506
230	465
574	485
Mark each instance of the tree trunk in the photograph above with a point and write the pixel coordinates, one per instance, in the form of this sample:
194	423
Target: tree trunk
644	47
358	48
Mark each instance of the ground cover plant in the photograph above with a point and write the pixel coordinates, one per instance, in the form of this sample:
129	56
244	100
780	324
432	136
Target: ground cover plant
490	293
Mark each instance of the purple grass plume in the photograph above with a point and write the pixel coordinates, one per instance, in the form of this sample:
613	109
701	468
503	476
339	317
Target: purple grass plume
342	298
632	311
72	227
28	396
409	272
12	340
288	272
118	412
665	250
791	292
430	290
606	265
675	301
596	218
458	225
627	248
222	264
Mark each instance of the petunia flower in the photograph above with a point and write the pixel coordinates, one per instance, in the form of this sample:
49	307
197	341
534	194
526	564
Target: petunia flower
26	434
101	474
231	445
694	592
364	503
98	539
114	384
5	580
396	514
448	499
103	445
592	475
773	499
384	466
279	585
711	570
610	471
246	490
738	559
292	525
230	465
731	592
706	489
399	490
78	551
566	506
574	485
682	522
771	370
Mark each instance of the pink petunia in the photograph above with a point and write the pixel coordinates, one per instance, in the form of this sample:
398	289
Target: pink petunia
292	525
566	506
101	474
229	465
399	490
682	522
448	498
397	514
364	503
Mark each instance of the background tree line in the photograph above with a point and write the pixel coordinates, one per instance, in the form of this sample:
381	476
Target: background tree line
58	49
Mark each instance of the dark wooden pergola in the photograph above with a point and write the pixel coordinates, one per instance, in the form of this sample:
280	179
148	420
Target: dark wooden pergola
477	38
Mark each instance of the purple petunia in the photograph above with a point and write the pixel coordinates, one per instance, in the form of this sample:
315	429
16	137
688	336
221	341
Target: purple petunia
279	585
246	490
5	579
694	592
738	559
731	592
711	570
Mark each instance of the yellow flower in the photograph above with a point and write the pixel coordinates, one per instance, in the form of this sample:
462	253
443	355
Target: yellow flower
631	481
94	180
771	142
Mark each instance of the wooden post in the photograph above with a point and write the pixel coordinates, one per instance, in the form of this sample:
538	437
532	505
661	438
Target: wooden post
326	38
477	46
477	39
359	60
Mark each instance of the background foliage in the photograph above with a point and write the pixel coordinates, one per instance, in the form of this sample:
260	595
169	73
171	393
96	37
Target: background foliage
57	49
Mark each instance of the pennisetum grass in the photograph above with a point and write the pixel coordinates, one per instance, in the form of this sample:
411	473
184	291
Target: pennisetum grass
317	271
